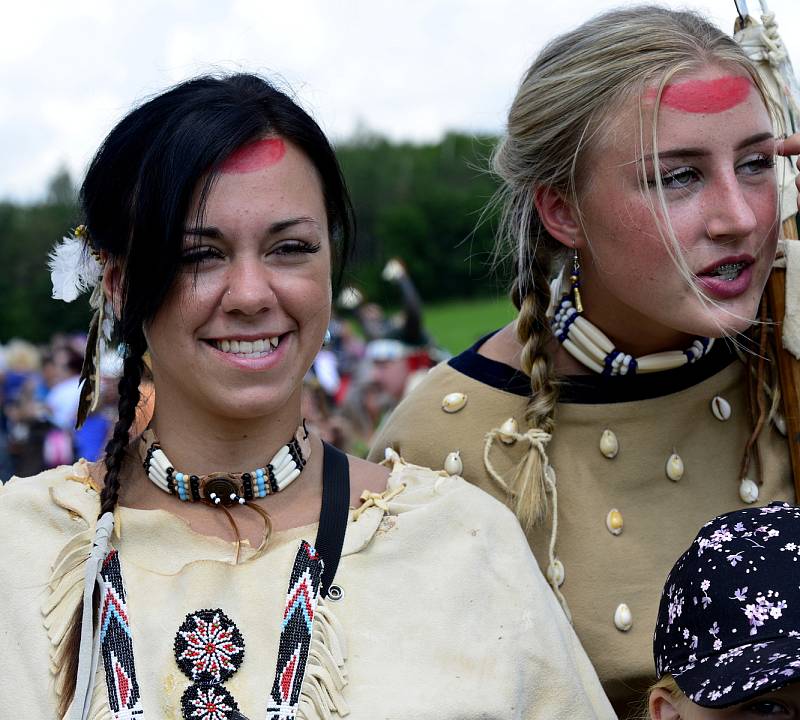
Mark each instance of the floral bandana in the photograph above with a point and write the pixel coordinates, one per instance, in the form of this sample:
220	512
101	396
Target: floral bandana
729	621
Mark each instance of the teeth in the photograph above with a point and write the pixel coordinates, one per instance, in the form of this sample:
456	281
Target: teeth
247	347
729	271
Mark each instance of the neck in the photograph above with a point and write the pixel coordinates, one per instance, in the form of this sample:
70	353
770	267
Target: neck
202	442
629	330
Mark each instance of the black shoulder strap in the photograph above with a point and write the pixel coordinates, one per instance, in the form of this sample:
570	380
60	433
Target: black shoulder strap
334	513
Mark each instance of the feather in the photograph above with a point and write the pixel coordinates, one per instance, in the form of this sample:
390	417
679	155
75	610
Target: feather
73	270
90	372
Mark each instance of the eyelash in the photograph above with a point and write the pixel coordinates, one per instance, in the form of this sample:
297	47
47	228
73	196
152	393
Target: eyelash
760	163
195	256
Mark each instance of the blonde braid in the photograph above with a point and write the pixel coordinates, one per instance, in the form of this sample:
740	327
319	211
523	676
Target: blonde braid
528	485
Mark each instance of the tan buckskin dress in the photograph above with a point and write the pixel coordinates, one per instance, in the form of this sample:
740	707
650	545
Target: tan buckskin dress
651	416
443	612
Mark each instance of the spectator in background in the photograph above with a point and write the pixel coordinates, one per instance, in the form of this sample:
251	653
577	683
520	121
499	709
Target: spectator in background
62	398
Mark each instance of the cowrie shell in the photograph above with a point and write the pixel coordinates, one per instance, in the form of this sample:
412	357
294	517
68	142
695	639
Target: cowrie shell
623	617
507	431
453	402
453	464
721	408
674	467
555	573
748	491
614	521
609	445
780	423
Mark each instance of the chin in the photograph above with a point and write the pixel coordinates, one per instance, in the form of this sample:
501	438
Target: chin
727	323
252	407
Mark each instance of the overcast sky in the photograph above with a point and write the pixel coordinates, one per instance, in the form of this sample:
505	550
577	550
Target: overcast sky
410	70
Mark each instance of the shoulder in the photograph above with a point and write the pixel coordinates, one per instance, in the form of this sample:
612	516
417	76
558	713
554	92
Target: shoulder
365	475
48	504
426	501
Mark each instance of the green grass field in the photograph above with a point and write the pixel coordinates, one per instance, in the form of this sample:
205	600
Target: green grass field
456	325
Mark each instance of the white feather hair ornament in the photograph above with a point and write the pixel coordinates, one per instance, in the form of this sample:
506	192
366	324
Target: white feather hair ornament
74	268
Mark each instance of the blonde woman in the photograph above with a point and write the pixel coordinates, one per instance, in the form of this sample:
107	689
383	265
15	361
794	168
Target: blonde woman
640	207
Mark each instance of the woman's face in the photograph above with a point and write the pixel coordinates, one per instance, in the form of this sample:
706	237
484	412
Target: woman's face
783	704
716	146
247	315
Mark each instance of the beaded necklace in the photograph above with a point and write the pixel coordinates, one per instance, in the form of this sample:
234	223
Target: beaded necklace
591	347
223	488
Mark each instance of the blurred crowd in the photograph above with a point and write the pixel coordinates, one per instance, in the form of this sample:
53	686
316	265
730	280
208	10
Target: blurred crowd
370	360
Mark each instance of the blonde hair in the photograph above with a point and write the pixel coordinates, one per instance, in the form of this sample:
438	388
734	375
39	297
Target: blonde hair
575	83
22	356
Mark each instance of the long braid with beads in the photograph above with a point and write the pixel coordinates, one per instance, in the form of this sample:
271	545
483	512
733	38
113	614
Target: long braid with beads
115	451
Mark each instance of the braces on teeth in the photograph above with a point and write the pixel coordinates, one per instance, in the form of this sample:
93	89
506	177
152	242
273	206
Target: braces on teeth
729	271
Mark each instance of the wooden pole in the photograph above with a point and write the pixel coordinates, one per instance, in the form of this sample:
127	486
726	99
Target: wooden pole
788	365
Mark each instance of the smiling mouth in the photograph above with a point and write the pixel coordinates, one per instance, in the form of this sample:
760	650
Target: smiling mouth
728	271
247	348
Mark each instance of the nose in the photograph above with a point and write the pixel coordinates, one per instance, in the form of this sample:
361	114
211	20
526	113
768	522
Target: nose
249	288
729	213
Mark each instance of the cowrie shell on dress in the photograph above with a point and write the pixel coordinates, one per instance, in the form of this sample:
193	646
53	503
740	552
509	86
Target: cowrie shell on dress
453	402
674	467
780	423
721	408
507	431
623	618
453	464
555	573
614	521
748	491
609	445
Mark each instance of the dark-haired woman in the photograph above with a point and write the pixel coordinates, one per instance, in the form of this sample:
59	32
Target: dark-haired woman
640	203
213	216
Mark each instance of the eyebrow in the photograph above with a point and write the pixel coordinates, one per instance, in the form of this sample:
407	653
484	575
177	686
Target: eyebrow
214	233
700	152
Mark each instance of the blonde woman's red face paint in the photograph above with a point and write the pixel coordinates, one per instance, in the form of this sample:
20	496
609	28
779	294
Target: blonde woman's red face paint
705	96
255	156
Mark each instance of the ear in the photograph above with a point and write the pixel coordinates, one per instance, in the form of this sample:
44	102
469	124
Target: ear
112	286
662	705
559	217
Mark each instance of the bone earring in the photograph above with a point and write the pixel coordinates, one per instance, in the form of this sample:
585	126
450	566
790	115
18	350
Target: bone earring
575	280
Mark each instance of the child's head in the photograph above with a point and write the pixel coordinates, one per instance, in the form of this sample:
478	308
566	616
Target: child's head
727	640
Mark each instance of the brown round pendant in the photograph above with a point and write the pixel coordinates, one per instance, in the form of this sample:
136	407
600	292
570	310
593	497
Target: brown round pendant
222	486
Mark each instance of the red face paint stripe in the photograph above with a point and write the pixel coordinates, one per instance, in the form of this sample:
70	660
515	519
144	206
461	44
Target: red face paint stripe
705	96
254	156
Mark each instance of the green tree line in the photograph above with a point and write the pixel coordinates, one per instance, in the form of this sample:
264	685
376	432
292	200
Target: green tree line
419	202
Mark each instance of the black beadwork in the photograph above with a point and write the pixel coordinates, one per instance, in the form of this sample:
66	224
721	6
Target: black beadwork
213	701
247	484
194	483
208	646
